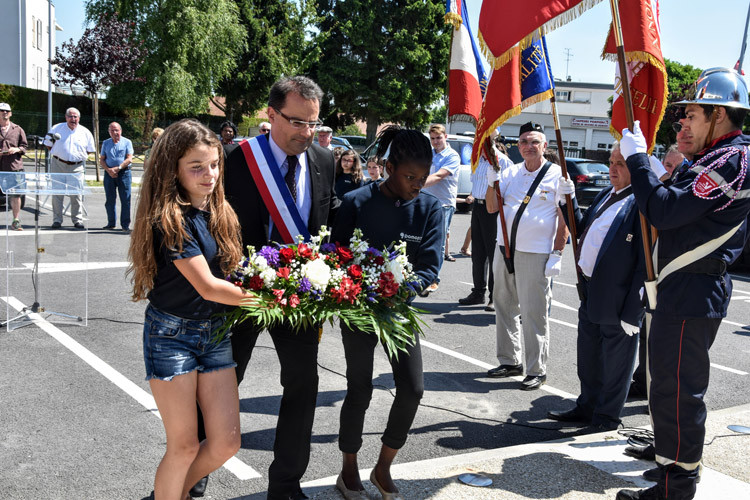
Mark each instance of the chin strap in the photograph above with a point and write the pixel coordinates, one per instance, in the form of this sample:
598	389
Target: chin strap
710	136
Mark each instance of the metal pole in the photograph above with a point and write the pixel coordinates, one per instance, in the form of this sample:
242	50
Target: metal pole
617	29
744	42
49	68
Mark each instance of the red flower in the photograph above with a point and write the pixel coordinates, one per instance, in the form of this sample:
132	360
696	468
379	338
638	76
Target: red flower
379	260
345	255
283	272
287	254
279	294
293	300
255	283
304	251
387	287
355	271
347	291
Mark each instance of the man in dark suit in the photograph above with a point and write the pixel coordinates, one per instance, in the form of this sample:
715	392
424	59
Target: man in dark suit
611	263
293	107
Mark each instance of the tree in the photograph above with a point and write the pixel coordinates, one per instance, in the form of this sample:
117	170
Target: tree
679	79
191	46
105	55
275	46
382	61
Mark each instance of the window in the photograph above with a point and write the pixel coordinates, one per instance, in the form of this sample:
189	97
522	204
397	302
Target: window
33	75
39	82
573	144
33	32
582	97
39	34
562	95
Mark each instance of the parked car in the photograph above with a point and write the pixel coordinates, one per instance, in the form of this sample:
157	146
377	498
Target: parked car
589	176
358	142
336	141
459	143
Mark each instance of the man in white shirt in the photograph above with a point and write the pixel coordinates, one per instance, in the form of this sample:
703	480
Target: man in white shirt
68	156
540	236
612	267
324	137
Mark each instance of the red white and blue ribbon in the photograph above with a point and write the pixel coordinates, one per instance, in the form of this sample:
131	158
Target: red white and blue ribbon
273	190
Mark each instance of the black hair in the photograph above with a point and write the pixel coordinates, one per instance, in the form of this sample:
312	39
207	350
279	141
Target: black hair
306	88
229	124
735	115
405	145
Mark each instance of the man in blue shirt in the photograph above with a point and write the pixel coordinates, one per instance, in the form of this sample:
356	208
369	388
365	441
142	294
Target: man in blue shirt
443	184
115	159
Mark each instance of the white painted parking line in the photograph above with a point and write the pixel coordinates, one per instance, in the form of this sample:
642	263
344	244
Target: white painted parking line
564	323
733	323
727	369
233	465
487	366
564	284
564	306
465	283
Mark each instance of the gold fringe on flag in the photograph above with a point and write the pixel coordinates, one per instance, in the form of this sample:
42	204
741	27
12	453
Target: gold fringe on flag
461	117
515	111
454	19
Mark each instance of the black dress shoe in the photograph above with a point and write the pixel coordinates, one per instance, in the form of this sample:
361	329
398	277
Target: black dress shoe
600	427
653	493
505	371
532	383
641	452
574	415
472	299
490	307
199	489
108	227
78	225
56	225
652	475
636	391
299	496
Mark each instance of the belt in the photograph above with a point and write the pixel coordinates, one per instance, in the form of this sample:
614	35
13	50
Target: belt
706	265
66	161
478	201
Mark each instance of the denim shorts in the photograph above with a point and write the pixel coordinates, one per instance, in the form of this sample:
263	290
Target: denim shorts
174	346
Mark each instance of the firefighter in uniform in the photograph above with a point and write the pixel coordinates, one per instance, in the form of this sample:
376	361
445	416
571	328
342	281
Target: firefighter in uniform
702	227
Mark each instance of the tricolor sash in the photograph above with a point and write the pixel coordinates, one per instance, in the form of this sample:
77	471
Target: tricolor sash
273	189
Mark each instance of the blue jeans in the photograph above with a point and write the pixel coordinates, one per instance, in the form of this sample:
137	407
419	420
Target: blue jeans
119	185
447	218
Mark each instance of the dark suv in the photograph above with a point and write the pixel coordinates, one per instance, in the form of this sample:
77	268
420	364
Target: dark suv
589	176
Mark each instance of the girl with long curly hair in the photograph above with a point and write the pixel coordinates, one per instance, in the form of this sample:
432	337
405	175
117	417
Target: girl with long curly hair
348	173
185	239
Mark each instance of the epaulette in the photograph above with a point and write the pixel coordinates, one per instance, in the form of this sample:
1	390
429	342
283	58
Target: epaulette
708	179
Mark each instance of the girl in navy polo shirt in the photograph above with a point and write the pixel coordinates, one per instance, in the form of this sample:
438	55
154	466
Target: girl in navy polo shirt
388	211
348	173
185	239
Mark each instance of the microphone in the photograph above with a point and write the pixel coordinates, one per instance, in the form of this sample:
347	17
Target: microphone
53	137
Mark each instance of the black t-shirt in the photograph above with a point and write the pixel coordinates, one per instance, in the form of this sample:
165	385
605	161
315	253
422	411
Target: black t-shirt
344	184
172	292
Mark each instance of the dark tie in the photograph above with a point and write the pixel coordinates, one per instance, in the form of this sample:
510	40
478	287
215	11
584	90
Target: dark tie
613	198
291	176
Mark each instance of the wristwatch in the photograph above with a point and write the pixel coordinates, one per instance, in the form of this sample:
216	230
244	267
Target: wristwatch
556	252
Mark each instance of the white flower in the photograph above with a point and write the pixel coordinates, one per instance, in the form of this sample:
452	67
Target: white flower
318	272
260	262
394	267
269	276
336	276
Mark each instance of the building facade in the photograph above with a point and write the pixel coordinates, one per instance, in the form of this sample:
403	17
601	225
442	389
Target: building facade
25	43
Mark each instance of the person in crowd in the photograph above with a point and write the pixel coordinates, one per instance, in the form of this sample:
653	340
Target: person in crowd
185	240
115	158
228	132
531	193
483	229
146	154
349	174
308	172
612	268
695	212
264	127
465	250
69	154
13	146
675	162
374	170
443	184
324	137
337	152
551	155
386	212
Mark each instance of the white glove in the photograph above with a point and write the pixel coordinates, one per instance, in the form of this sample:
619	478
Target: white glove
630	330
492	176
554	265
656	167
564	186
632	142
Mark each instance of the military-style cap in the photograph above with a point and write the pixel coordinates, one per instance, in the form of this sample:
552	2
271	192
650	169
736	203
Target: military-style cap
530	127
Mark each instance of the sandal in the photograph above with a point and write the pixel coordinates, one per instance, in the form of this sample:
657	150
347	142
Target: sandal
450	258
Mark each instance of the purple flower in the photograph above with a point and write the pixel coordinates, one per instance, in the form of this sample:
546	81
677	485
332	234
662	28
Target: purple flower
271	255
304	285
375	252
328	248
393	255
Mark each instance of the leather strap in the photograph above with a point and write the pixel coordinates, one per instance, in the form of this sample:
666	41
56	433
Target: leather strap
524	204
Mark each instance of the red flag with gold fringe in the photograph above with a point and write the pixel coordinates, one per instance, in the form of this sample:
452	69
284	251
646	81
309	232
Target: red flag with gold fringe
646	72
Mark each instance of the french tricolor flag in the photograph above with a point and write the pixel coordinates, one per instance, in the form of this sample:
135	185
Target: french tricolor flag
467	80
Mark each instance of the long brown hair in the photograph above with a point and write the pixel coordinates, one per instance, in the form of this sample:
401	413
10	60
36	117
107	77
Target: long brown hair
357	174
162	203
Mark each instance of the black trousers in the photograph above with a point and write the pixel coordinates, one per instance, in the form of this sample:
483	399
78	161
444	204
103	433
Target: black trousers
639	375
679	366
483	243
359	349
298	357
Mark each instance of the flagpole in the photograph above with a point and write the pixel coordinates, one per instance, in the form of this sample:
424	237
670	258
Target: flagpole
645	228
568	199
744	42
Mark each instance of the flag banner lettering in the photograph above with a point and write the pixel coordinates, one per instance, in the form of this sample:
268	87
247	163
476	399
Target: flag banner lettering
506	26
467	79
514	86
646	72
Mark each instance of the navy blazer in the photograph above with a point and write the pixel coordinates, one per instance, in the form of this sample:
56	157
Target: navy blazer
242	193
620	269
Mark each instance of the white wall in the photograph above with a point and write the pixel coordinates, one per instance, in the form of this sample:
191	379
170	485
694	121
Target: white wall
29	66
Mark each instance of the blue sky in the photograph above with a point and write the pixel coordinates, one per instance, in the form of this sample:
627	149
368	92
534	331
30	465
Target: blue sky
695	32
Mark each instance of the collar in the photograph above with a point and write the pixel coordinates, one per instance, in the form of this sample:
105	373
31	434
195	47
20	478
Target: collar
445	150
280	156
621	190
719	139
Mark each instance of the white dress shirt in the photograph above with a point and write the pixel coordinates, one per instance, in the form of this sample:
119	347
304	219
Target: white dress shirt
479	176
596	233
304	191
73	145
